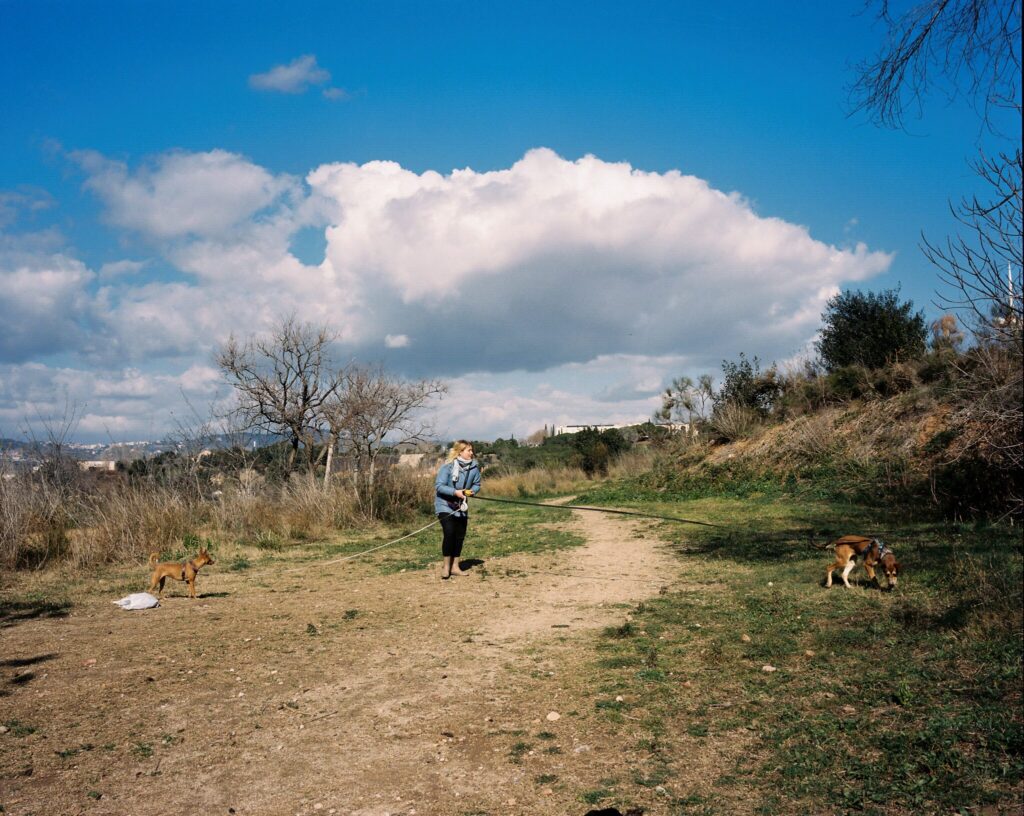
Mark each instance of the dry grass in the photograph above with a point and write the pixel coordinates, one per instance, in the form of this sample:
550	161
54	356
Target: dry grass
35	516
812	437
734	421
127	522
79	521
538	481
632	463
553	480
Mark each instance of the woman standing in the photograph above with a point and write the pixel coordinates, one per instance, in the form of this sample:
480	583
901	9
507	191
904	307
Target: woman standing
457	480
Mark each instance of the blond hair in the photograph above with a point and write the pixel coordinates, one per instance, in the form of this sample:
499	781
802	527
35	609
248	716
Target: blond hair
457	447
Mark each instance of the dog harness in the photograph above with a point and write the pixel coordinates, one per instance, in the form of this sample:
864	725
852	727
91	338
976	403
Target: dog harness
882	549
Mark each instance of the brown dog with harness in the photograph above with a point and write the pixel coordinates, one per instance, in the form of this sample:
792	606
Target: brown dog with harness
874	552
179	572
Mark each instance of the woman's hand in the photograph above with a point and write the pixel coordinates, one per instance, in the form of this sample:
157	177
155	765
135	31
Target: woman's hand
459	494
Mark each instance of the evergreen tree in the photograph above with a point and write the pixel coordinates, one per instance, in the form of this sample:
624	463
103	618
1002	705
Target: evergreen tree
870	329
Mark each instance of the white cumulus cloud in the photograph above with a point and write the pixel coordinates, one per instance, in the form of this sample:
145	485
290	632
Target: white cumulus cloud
43	298
553	290
183	194
293	78
554	261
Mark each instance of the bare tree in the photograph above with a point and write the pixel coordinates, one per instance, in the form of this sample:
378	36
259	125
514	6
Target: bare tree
960	47
371	409
982	265
972	48
537	437
282	382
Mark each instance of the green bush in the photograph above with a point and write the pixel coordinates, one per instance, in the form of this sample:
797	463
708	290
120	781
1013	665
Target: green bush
870	329
848	383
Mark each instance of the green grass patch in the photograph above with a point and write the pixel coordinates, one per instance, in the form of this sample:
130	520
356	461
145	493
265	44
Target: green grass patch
142	750
19	729
494	531
592	797
518	750
923	682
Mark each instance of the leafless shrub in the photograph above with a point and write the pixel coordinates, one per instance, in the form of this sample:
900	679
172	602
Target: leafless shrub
733	421
34	522
990	417
127	522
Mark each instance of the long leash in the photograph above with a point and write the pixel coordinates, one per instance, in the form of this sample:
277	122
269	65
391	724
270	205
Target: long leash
364	552
599	510
360	554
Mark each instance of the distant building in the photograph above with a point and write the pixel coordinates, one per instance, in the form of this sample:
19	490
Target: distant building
571	429
98	466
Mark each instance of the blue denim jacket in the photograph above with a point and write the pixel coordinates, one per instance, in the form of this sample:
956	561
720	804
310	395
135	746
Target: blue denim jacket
445	500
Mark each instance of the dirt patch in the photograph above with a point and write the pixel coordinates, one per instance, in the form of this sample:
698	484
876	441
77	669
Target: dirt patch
331	690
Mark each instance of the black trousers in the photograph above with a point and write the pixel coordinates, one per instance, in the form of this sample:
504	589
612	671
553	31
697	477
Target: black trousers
454	528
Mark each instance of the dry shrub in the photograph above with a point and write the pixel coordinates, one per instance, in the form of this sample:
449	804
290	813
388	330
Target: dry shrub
536	482
129	521
812	438
34	522
402	491
895	378
240	513
990	416
633	463
307	509
733	421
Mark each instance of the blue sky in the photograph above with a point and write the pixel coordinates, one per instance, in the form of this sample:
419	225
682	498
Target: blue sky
173	172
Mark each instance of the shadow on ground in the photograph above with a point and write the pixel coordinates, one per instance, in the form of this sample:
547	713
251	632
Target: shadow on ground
15	612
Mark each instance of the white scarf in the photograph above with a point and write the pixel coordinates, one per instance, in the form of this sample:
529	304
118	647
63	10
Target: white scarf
457	467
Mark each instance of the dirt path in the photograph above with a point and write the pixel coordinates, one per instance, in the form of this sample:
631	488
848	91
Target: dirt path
334	690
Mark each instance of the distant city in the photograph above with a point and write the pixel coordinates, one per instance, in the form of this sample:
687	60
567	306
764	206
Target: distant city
23	455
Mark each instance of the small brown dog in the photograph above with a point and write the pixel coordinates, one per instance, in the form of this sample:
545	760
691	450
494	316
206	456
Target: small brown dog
178	571
875	553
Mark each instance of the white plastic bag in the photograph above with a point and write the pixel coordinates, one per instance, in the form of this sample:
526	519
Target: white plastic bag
138	600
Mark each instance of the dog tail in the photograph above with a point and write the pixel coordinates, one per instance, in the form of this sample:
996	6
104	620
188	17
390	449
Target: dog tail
153	558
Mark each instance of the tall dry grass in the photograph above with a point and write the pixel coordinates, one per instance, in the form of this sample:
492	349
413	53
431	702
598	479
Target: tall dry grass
536	482
34	521
126	522
545	481
633	463
81	521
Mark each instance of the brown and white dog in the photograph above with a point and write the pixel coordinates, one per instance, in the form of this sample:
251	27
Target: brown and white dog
874	552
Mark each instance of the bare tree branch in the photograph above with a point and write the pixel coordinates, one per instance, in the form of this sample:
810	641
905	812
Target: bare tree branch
960	47
371	409
283	381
